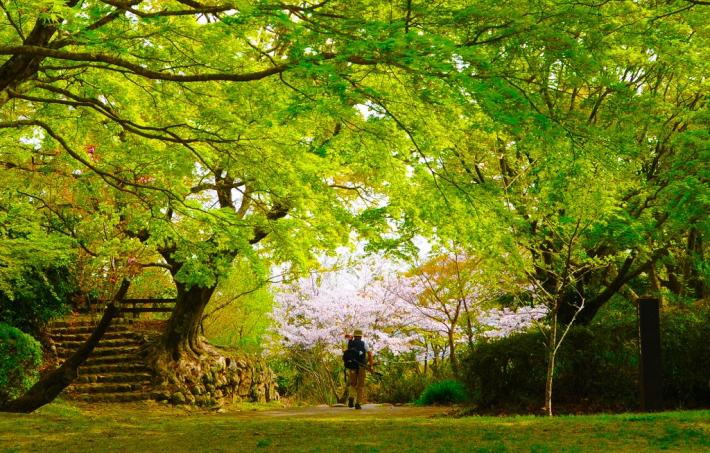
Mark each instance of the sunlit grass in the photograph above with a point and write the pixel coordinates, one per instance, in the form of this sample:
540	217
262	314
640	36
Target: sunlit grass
62	427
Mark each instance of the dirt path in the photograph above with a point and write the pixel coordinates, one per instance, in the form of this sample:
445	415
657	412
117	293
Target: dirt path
323	411
368	410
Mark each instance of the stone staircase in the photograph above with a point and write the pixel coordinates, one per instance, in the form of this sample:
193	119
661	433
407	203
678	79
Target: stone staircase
114	372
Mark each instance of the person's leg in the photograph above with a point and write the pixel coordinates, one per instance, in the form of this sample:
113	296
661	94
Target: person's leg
360	388
352	386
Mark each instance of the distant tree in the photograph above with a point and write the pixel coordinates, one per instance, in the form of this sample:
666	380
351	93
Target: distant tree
323	308
460	295
239	313
445	291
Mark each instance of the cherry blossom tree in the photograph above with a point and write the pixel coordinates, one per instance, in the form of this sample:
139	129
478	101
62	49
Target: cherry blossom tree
322	309
450	292
499	323
428	311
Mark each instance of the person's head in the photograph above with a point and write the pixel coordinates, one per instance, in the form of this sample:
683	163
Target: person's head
357	333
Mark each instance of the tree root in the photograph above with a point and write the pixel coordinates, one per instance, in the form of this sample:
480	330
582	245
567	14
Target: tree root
205	375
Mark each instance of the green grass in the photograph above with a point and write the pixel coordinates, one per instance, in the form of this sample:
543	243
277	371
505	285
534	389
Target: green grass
61	427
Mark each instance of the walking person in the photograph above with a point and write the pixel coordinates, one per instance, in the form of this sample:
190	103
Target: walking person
358	359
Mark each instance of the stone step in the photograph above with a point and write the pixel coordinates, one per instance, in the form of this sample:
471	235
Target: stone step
129	367
123	397
86	321
102	352
82	337
114	371
110	360
113	378
84	329
103	343
78	388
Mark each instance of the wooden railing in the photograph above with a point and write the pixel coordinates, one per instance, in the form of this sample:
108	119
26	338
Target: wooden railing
137	306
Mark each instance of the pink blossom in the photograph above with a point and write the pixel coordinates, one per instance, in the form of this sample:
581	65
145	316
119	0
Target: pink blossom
392	311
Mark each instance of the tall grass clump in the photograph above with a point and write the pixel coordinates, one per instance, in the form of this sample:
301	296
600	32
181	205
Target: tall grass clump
443	392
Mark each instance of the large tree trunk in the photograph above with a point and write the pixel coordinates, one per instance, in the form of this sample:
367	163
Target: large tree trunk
52	383
181	337
569	307
188	370
183	360
590	307
23	67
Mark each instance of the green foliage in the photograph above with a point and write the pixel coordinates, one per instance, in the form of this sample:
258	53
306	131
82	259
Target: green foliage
596	367
20	358
400	380
685	358
238	313
311	375
38	297
564	136
35	266
443	392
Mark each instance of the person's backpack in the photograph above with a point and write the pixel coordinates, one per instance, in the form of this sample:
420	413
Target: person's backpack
355	356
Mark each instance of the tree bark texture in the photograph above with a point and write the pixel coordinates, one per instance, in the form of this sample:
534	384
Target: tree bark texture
23	67
181	336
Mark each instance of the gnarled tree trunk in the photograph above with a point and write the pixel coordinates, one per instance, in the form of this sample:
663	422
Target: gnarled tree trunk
181	337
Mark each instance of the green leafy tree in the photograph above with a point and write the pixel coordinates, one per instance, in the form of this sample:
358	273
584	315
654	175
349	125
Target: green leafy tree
157	143
182	136
35	283
572	115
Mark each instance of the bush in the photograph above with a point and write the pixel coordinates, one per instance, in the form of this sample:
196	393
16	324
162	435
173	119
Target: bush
313	375
505	373
20	357
400	379
686	358
443	392
38	297
597	367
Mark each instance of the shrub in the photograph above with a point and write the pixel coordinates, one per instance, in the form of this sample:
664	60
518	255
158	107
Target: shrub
505	373
20	357
443	392
685	358
312	375
597	367
38	297
400	379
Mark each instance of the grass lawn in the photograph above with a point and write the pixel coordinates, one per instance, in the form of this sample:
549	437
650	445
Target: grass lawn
62	427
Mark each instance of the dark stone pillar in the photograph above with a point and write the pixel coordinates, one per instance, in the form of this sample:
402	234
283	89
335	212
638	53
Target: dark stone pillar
650	351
